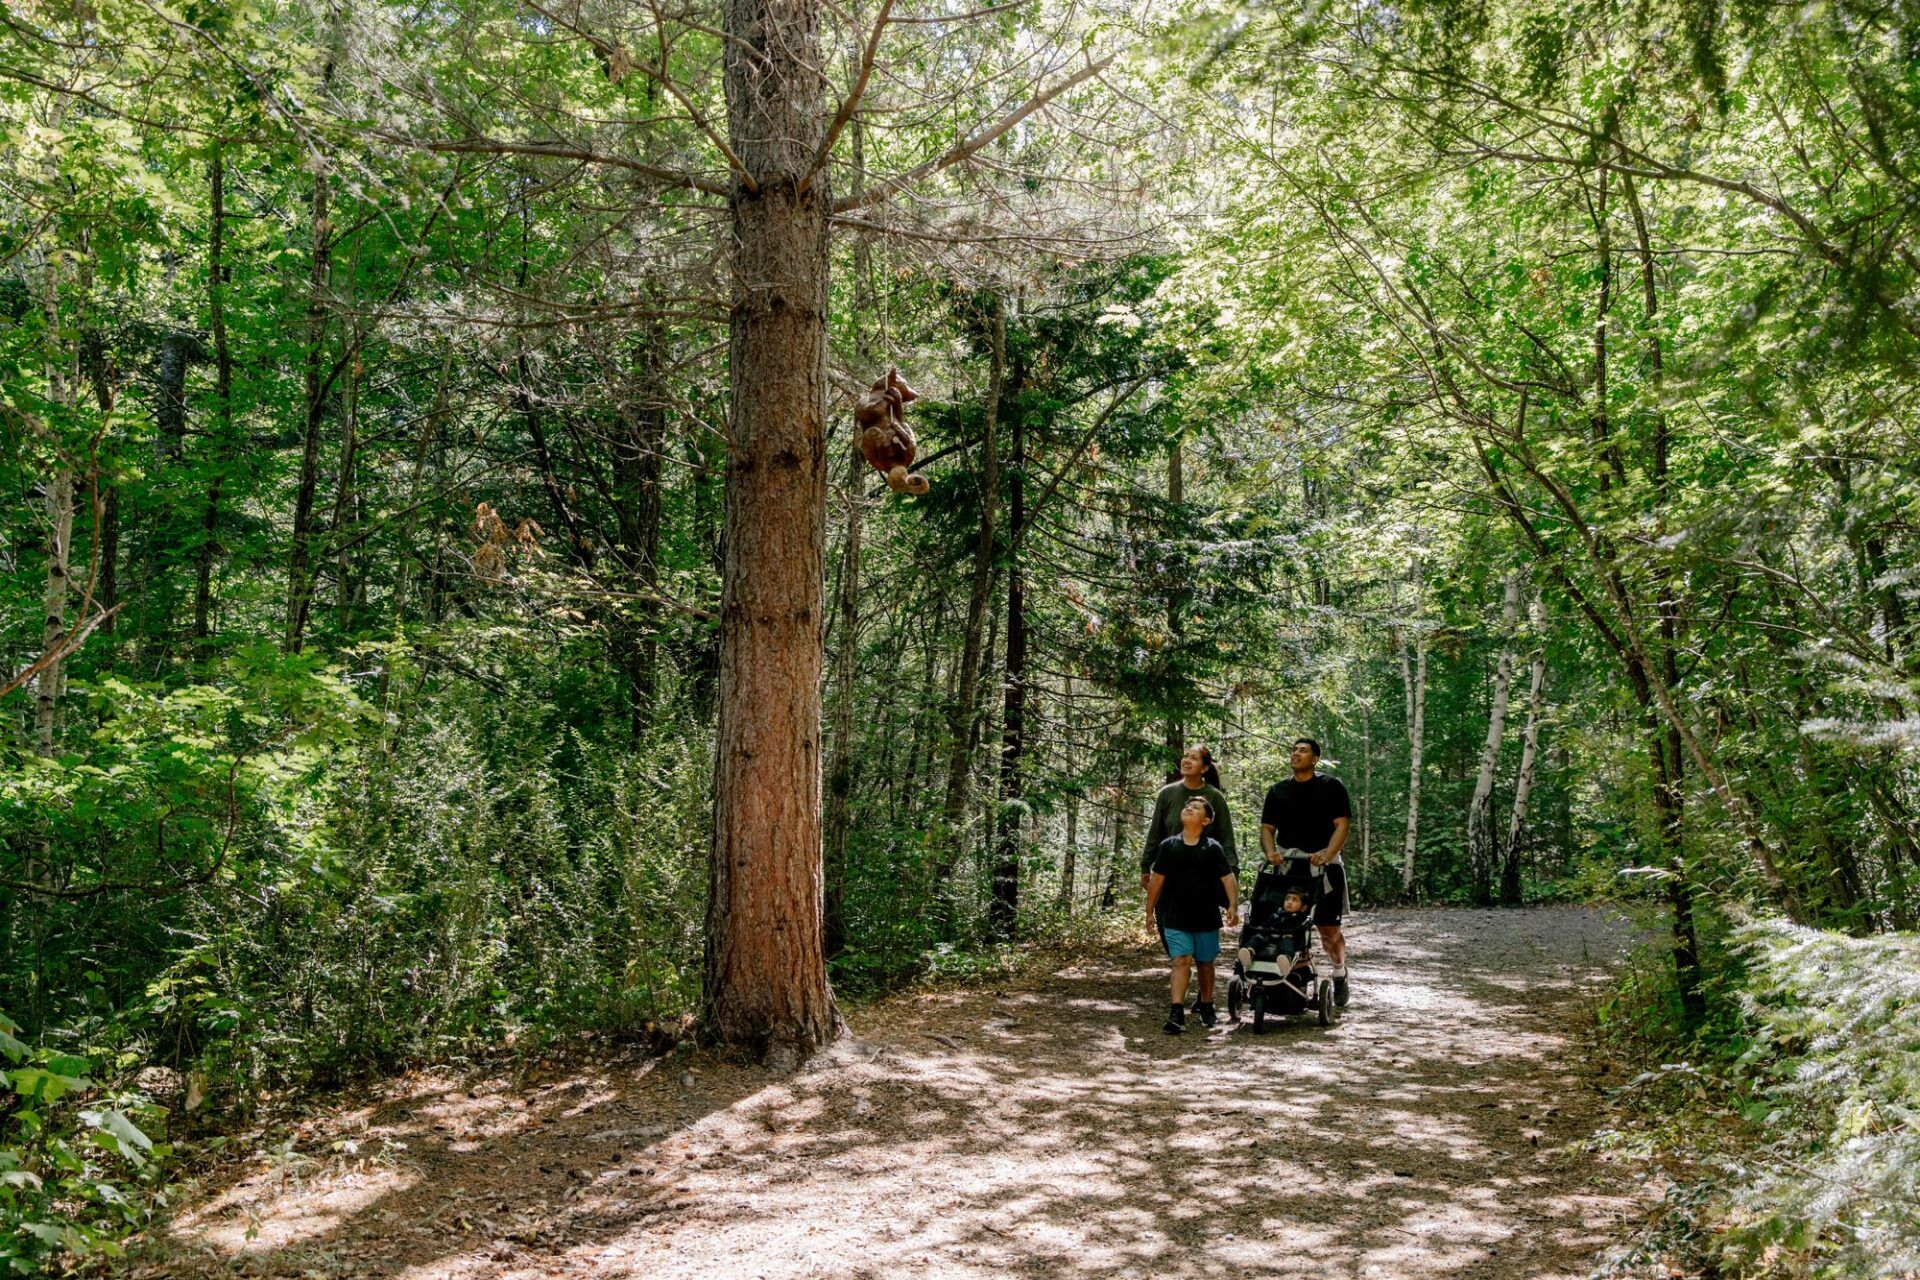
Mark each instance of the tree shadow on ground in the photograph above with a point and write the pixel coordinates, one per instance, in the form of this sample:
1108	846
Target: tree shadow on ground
1051	1131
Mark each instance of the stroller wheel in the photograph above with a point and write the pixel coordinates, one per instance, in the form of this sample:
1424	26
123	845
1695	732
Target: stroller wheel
1236	995
1259	1011
1324	999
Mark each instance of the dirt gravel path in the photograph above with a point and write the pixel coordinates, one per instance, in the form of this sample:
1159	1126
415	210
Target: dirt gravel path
1051	1131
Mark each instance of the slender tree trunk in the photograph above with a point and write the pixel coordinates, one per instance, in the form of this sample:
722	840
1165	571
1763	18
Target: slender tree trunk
157	603
964	709
846	659
1117	855
1366	792
343	495
1510	886
1004	915
47	686
1480	846
1176	603
1667	755
637	507
1416	682
222	408
766	975
300	562
1072	853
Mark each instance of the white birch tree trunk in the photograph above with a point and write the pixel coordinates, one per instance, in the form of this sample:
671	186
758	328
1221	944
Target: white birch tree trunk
52	678
1480	850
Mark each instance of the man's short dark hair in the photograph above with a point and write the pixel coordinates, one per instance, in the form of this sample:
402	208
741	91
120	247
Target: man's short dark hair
1310	742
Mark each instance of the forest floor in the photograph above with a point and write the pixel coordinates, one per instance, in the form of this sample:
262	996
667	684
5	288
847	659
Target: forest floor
1043	1128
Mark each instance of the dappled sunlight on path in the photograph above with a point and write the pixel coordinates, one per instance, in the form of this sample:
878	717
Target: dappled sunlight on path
1038	1132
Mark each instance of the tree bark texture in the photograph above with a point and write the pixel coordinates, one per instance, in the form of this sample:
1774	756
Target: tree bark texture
766	975
1480	848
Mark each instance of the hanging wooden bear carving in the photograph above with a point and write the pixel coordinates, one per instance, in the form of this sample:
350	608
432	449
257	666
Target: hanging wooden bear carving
885	440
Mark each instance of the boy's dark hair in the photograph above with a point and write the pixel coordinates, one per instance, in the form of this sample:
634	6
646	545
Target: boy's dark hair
1310	742
1201	800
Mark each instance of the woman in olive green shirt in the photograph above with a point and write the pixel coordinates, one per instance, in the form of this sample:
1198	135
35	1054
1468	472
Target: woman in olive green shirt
1198	777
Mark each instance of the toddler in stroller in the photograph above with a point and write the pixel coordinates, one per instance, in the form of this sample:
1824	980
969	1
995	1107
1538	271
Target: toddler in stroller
1274	975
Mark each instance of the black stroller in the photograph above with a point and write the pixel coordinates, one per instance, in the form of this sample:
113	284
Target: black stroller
1274	976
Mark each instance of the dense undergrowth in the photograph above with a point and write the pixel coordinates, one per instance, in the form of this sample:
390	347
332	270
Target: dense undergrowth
1787	1119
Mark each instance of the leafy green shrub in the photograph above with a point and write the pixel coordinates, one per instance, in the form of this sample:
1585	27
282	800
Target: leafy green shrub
79	1166
1835	1059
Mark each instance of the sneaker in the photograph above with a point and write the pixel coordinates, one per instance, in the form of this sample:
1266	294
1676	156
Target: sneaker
1176	1021
1340	987
1207	1015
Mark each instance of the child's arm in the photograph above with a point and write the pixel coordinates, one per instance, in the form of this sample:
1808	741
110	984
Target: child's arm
1155	881
1232	883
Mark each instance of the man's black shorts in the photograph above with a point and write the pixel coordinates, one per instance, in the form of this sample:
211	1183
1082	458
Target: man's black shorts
1333	895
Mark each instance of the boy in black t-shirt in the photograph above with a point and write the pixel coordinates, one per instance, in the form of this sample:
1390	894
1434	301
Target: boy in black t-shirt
1191	879
1309	813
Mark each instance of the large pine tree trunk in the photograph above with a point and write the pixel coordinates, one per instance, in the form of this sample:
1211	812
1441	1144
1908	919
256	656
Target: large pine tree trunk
1415	678
766	975
1480	850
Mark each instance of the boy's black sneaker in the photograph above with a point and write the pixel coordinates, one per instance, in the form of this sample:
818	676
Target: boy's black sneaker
1207	1015
1176	1021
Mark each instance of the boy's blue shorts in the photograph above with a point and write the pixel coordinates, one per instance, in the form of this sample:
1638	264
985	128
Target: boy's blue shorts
1203	947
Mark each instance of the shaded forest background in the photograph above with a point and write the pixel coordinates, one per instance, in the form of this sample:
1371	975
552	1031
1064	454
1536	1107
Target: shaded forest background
1517	399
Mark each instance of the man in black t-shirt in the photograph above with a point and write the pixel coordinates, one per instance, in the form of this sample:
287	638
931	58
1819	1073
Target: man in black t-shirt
1310	813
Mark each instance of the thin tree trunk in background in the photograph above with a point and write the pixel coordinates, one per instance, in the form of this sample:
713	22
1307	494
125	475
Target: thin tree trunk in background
96	367
1510	884
300	562
1416	682
222	410
156	602
57	493
1176	494
344	493
47	686
637	508
1072	854
1004	915
1480	850
1117	855
1366	792
846	659
766	975
961	714
1667	755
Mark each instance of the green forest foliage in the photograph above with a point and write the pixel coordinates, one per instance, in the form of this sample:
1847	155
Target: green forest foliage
377	358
